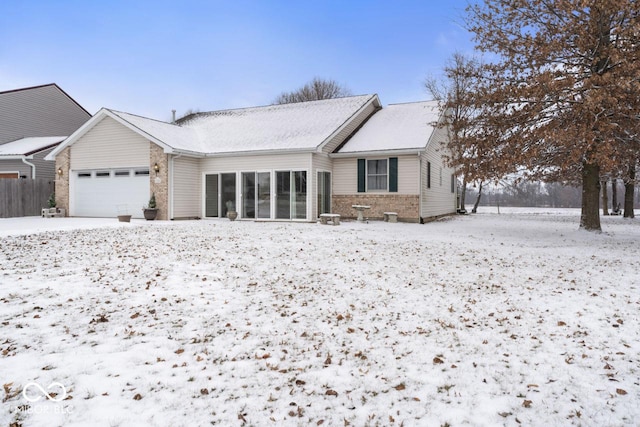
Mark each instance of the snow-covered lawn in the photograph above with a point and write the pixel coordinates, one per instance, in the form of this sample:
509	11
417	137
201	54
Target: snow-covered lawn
511	319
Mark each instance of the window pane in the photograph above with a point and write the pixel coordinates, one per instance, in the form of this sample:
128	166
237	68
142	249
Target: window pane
228	190
283	195
377	174
248	194
211	196
264	195
299	205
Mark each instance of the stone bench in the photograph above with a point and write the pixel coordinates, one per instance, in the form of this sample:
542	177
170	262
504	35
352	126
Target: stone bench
334	218
390	217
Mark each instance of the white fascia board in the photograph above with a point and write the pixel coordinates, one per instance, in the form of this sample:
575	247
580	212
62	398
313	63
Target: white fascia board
360	154
373	100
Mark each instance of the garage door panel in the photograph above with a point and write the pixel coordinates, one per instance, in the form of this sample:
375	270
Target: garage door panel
108	193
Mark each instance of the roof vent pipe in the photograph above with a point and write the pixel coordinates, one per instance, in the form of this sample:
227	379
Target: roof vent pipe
173	116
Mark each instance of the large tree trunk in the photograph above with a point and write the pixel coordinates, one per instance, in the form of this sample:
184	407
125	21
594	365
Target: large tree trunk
475	205
605	198
629	188
614	196
463	194
590	216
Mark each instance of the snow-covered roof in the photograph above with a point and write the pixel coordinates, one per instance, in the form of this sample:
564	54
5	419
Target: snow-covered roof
30	145
297	126
396	127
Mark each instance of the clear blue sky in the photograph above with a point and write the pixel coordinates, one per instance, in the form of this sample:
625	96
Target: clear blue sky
148	57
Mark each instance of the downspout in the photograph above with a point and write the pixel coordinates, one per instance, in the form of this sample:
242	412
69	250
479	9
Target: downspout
33	167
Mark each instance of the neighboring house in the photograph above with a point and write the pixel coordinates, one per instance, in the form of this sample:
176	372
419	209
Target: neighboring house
31	122
276	162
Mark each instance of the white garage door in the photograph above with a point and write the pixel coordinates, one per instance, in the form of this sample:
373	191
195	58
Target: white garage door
110	192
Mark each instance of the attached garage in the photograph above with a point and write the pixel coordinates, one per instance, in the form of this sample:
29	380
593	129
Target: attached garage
109	192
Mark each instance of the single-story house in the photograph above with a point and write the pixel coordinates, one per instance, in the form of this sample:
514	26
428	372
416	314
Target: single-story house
31	122
277	162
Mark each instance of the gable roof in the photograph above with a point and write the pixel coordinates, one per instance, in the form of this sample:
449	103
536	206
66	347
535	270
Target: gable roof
29	146
397	127
38	111
287	127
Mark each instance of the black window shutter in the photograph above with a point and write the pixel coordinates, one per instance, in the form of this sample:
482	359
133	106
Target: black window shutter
428	174
362	176
393	174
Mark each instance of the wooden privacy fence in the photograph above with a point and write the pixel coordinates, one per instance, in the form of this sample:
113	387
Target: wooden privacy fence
24	197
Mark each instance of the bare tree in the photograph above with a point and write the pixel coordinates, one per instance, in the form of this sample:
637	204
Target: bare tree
315	90
455	93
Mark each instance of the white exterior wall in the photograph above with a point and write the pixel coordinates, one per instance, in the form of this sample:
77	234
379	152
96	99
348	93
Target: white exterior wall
437	200
110	145
186	188
345	175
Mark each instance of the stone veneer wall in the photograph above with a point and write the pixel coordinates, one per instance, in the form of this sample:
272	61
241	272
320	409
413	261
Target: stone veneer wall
407	206
63	161
159	183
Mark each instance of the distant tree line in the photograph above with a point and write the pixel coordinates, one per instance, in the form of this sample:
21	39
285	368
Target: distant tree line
539	194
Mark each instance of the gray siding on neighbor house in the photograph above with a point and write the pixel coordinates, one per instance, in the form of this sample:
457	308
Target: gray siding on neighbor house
110	145
39	111
186	188
437	200
15	166
44	168
345	132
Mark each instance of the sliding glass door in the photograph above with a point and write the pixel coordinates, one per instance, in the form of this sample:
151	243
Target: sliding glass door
324	193
287	199
256	195
291	195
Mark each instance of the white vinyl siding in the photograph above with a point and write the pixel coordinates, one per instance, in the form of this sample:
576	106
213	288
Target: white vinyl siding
39	111
437	200
349	128
255	163
345	175
110	145
186	188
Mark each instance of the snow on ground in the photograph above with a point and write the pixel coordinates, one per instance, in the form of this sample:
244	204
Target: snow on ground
512	319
